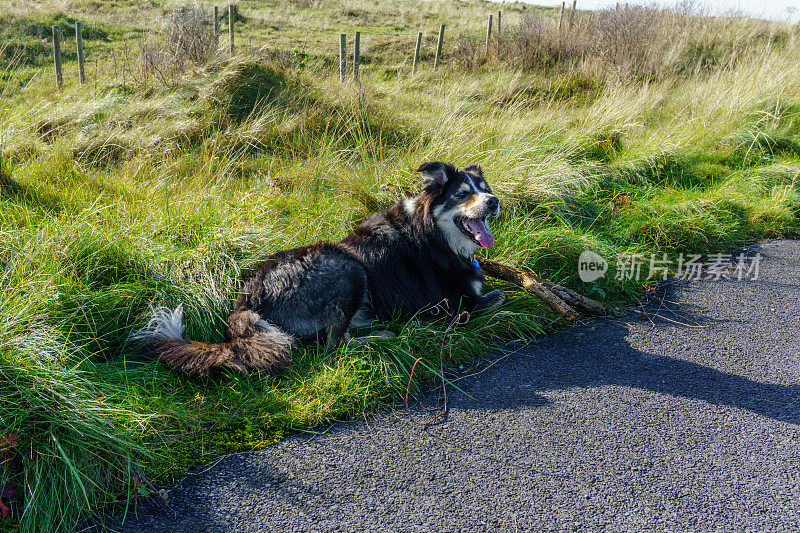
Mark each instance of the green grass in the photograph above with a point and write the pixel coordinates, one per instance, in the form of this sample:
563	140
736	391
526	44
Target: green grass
129	193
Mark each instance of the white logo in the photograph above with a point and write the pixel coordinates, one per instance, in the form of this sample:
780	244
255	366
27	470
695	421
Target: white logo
591	266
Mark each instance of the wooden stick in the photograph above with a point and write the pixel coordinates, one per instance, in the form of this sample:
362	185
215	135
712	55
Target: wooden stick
499	31
488	35
416	54
57	57
356	55
527	282
575	299
559	299
439	47
342	58
231	19
572	14
79	42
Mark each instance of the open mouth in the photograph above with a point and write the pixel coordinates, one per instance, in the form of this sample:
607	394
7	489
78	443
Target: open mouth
476	229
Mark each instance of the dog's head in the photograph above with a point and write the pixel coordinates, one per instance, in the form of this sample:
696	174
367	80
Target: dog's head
460	202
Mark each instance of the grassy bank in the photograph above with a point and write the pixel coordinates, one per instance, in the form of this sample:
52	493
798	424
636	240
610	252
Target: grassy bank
150	187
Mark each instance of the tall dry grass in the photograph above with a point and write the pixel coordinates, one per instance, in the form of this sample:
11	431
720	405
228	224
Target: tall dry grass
631	42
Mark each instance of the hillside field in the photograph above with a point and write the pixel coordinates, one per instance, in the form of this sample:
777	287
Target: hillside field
178	166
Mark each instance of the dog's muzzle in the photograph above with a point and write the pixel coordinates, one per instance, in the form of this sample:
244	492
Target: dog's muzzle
474	225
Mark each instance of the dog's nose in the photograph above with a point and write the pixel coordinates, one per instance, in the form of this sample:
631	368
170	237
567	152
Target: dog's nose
493	203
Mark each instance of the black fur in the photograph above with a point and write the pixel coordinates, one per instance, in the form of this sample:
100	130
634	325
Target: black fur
410	265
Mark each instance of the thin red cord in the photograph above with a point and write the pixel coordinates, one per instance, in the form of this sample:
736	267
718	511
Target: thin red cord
441	410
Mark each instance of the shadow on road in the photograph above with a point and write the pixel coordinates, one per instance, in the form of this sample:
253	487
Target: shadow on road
598	353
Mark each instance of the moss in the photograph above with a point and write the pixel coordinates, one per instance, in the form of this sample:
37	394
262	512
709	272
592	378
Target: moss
232	437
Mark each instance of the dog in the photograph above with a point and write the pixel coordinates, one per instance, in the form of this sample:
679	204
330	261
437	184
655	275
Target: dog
412	259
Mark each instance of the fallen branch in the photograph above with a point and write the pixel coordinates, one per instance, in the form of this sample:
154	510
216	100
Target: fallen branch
560	299
575	299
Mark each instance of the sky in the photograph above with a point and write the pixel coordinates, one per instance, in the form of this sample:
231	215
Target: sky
787	10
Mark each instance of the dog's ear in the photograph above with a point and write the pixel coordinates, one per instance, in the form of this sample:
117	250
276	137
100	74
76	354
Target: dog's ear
474	169
435	173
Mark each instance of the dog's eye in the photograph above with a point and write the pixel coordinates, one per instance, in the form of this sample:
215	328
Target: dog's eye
463	194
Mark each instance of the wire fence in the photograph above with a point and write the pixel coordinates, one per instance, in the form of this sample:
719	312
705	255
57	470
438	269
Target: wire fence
121	60
426	47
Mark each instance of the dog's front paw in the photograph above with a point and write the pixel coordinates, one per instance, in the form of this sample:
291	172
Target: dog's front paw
492	299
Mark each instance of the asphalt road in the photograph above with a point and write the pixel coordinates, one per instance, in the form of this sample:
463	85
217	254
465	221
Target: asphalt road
688	419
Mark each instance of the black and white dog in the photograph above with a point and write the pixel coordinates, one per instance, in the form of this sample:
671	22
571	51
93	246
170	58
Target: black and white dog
411	259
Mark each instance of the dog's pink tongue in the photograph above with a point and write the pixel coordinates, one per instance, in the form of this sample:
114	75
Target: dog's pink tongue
481	232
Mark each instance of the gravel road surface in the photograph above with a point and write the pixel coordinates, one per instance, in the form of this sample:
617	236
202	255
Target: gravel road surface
687	419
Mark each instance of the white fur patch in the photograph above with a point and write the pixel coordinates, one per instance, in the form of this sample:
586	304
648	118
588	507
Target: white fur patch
477	286
458	242
410	206
470	181
275	333
165	324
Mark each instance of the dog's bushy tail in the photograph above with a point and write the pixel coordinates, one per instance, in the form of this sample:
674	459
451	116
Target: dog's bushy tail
253	346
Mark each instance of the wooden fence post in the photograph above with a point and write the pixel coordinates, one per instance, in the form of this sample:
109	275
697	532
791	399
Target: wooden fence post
216	20
57	57
356	54
572	14
231	18
79	42
416	54
561	18
438	55
488	34
499	31
342	52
